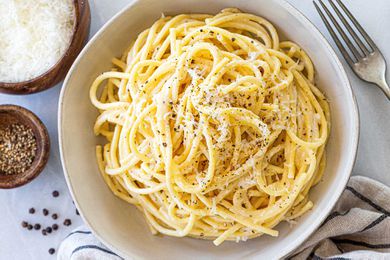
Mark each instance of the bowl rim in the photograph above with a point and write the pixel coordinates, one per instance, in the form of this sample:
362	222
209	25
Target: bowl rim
287	249
19	88
43	140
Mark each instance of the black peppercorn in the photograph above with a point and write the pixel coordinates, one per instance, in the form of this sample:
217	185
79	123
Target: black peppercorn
31	211
37	226
54	216
48	230
55	193
44	232
67	222
45	212
52	251
29	227
54	226
77	212
24	224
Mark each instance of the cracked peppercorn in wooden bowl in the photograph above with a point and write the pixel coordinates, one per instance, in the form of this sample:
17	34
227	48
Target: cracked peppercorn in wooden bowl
24	146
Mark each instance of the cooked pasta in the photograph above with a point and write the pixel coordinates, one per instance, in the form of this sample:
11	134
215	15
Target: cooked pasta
215	129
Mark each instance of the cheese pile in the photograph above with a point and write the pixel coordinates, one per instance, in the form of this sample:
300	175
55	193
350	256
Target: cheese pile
34	35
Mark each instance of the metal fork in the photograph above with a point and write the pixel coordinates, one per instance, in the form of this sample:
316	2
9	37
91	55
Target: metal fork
369	64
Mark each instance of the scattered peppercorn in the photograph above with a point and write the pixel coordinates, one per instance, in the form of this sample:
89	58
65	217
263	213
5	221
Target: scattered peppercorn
44	232
52	251
77	212
54	226
37	226
67	222
54	216
55	193
29	227
24	224
49	230
31	211
45	212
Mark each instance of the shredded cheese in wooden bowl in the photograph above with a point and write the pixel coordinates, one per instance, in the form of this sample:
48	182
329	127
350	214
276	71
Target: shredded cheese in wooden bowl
34	35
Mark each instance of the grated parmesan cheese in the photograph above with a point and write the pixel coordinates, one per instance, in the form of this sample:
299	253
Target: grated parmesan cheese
317	117
248	182
193	73
34	34
253	55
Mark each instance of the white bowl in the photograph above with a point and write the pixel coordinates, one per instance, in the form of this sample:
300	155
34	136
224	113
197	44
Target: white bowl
119	225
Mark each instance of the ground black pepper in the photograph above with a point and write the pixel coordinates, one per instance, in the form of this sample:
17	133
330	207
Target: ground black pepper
18	148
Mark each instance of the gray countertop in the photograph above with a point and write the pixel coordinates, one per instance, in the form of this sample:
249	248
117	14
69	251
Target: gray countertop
373	156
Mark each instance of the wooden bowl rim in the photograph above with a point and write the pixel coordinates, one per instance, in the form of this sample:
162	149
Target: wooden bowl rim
18	87
22	114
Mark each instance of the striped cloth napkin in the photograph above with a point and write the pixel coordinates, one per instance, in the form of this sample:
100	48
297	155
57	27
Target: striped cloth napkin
357	228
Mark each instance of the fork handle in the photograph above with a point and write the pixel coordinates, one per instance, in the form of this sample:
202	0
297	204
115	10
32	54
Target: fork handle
384	87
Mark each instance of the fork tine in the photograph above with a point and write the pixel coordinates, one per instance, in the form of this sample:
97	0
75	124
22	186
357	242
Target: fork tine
340	30
334	36
357	39
358	26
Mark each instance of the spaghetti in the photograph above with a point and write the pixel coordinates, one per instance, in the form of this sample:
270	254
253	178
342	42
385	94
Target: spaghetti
215	129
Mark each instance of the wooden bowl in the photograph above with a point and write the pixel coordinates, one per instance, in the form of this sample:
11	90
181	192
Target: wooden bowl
11	114
58	72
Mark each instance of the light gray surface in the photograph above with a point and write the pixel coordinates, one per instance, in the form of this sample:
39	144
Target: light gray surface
373	156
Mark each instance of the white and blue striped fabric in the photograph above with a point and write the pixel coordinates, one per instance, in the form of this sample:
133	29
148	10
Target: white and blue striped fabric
357	228
82	244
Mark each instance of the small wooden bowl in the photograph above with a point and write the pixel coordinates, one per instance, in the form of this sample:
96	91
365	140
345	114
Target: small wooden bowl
11	114
58	72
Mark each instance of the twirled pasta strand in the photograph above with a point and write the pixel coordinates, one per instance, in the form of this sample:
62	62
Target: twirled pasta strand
214	128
